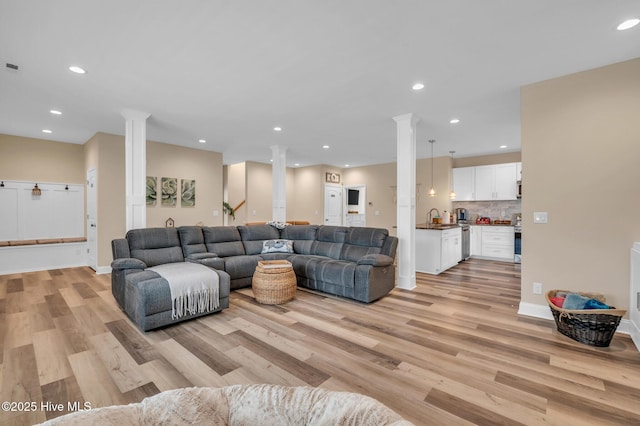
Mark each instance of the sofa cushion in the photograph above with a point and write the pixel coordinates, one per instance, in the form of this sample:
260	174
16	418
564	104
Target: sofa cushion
223	240
253	236
277	246
192	240
155	246
241	266
303	237
360	242
329	241
324	269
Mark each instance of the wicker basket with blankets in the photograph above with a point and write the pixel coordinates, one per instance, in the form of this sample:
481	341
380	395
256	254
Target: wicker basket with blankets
593	326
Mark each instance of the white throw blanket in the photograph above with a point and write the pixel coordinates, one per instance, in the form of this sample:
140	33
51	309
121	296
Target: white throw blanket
194	288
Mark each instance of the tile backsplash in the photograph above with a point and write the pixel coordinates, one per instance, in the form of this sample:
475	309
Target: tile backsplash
494	209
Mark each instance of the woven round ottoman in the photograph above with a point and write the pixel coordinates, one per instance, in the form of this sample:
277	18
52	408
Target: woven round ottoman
274	282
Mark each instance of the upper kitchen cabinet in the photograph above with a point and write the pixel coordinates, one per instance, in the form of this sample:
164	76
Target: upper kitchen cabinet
464	183
486	183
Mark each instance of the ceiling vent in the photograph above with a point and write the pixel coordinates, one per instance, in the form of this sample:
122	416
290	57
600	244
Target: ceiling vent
12	66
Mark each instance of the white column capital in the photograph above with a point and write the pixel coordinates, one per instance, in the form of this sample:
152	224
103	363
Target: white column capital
132	114
410	117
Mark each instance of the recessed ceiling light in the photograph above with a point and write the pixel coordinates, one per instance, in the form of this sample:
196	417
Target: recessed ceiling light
417	86
277	129
297	164
202	141
77	69
346	165
55	112
629	23
325	146
454	121
503	146
46	131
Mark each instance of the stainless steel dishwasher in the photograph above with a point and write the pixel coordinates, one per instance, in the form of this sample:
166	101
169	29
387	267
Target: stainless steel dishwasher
466	241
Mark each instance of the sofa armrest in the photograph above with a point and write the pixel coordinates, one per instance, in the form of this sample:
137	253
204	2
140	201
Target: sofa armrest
375	260
212	260
200	256
128	263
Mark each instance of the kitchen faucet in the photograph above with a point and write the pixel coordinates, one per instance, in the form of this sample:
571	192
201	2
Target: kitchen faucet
429	214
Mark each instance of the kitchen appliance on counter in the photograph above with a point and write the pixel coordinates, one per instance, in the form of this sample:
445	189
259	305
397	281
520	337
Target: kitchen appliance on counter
461	215
483	221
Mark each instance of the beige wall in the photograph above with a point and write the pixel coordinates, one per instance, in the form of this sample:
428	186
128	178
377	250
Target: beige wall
205	167
380	181
580	156
259	188
28	159
105	153
307	200
442	185
236	177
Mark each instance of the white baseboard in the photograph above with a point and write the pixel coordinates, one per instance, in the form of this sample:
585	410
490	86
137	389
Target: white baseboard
103	270
634	331
533	310
543	311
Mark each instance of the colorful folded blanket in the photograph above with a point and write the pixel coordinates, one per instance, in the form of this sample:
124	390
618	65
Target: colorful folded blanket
596	304
576	301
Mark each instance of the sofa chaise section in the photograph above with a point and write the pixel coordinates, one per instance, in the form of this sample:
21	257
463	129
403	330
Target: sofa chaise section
143	294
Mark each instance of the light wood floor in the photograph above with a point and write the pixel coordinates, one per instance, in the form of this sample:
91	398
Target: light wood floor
451	352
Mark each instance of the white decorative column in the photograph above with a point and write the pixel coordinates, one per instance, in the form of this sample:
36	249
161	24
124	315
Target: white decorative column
406	196
135	142
279	177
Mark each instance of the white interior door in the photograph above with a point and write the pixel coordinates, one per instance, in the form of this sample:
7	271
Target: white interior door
92	220
332	204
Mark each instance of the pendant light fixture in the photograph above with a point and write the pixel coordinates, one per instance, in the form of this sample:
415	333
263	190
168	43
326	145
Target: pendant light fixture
452	194
432	191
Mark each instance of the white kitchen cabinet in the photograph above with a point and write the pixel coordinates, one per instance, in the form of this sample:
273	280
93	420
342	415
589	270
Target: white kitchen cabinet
438	250
498	242
496	182
486	183
352	219
519	170
506	187
451	248
475	240
464	183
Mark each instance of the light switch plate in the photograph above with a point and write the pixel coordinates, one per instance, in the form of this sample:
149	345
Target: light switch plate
540	217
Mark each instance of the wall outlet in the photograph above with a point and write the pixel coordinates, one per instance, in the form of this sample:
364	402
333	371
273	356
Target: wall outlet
216	213
537	288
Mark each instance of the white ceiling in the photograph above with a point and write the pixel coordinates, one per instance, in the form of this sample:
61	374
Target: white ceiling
329	72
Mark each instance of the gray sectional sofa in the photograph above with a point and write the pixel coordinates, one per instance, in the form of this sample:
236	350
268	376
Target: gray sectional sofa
351	262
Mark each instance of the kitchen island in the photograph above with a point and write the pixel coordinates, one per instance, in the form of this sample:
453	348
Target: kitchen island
438	247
